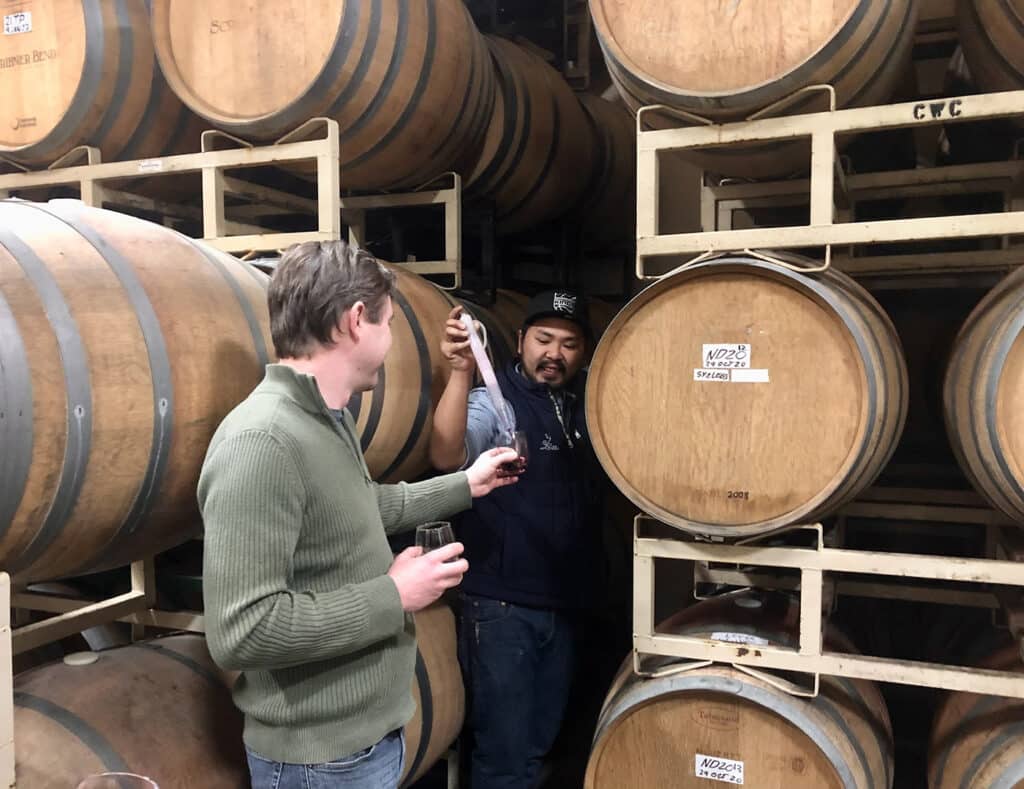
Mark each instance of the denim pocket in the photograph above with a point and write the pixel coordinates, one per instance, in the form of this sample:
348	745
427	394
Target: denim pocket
377	766
263	773
347	763
483	611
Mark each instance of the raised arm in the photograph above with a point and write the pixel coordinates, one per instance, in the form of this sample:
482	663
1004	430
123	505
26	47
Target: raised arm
448	436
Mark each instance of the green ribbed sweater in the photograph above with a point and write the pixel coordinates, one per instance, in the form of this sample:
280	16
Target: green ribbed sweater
295	582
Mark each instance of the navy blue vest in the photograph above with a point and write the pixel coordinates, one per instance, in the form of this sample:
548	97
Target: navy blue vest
534	543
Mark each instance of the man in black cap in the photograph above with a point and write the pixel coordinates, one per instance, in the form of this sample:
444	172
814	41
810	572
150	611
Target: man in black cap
531	546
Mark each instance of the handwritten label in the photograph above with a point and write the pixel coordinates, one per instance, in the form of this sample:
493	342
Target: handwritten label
729	362
735	376
717	768
740	638
150	166
710	375
726	355
20	22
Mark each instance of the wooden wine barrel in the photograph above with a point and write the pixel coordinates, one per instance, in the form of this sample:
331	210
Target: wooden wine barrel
981	396
84	73
609	212
537	149
438	691
725	61
411	84
807	418
976	740
123	346
992	38
658	731
158	708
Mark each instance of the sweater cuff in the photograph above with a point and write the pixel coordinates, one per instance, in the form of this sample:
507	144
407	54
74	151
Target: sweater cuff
384	608
464	499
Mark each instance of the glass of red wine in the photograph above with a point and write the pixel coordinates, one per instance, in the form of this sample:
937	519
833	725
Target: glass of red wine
517	440
431	536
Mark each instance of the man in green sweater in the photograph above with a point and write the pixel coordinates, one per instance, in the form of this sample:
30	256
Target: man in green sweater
301	590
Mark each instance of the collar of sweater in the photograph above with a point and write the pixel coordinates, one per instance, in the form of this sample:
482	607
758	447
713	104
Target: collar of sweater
300	388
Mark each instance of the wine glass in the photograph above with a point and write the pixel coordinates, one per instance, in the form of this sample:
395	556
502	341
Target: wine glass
117	781
431	536
516	440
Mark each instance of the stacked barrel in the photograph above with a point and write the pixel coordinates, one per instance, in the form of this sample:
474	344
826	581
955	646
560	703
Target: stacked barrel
729	62
85	73
115	330
125	344
778	395
717	723
161	708
778	390
417	91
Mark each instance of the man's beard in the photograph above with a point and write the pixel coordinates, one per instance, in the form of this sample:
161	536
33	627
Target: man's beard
543	367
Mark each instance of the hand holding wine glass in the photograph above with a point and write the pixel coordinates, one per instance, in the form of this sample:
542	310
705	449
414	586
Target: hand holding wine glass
430	536
517	441
421	576
485	475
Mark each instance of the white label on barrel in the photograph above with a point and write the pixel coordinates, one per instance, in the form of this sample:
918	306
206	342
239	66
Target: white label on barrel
757	376
726	355
20	22
736	376
150	165
740	638
717	768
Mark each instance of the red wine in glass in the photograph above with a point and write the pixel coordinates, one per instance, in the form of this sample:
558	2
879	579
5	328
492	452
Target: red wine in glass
516	467
433	535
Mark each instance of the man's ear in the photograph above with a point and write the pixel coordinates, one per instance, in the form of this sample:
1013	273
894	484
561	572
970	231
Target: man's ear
356	319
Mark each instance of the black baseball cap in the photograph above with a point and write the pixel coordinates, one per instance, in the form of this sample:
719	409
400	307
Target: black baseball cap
558	304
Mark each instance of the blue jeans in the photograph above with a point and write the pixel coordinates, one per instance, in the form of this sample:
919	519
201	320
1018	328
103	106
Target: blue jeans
376	767
517	664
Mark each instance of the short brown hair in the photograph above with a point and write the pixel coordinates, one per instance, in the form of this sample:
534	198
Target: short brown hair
313	285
